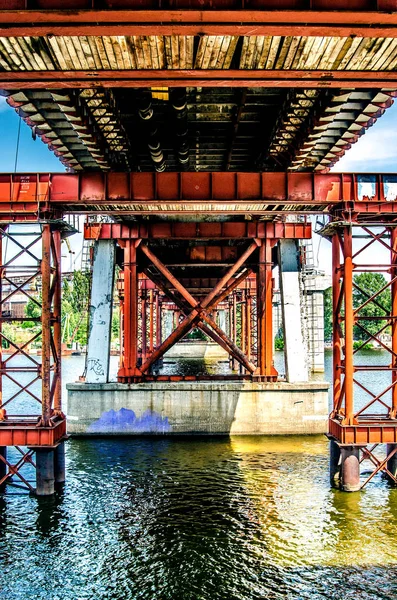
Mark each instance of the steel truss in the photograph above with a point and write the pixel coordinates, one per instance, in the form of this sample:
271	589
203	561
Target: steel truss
143	289
31	417
360	427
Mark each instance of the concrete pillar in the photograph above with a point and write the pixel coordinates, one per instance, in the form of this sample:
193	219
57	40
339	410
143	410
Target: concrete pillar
59	463
315	284
350	468
45	480
100	326
334	463
295	348
392	462
222	319
3	466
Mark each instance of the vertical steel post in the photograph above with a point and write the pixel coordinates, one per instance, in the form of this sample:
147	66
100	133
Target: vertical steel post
46	325
234	330
265	366
336	346
57	331
230	326
249	325
393	314
144	324
349	323
158	319
1	327
151	321
130	311
243	322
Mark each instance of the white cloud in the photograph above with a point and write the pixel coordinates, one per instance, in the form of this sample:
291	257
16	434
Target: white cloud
376	150
3	104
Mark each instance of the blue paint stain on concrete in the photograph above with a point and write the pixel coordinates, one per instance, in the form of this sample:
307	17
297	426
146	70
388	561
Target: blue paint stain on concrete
126	421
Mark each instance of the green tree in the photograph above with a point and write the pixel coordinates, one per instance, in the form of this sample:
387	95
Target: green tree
328	314
367	284
75	297
33	311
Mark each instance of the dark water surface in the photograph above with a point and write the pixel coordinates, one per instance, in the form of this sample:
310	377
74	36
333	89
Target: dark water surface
236	518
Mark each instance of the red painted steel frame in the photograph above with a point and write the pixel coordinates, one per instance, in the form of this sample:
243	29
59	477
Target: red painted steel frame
195	312
324	18
350	424
29	196
11	80
41	251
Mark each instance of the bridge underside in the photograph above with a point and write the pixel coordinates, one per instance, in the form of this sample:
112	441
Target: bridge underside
205	133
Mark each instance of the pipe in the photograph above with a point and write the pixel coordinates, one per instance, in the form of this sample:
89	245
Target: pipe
179	104
145	112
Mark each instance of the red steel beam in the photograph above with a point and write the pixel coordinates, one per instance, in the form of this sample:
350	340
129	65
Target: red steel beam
192	230
393	274
328	21
57	190
9	80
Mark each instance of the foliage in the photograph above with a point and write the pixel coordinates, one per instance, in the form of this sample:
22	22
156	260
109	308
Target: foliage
196	334
368	284
328	315
75	297
365	347
116	323
279	343
279	340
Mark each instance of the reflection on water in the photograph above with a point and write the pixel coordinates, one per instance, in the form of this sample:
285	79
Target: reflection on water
240	518
217	519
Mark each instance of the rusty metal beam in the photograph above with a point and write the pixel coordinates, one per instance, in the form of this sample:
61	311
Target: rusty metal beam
327	22
11	80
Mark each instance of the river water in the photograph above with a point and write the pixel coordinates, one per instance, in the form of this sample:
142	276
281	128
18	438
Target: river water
240	518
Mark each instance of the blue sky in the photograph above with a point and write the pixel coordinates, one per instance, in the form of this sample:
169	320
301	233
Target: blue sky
32	156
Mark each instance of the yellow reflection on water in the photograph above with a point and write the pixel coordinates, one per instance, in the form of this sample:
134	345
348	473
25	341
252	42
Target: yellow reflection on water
301	519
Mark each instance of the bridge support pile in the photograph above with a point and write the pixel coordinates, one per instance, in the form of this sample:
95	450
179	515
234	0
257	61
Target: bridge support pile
365	429
31	257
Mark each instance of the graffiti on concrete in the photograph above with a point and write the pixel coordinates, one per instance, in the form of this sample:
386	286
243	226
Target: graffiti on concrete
126	421
95	365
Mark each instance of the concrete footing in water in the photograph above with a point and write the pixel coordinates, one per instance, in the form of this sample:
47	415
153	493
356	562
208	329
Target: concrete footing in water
3	466
238	408
45	478
350	468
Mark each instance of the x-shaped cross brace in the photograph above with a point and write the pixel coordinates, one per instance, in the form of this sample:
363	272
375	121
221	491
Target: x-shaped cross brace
199	314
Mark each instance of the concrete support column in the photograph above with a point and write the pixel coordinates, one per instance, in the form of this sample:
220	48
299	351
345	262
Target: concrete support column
350	468
392	462
100	326
295	349
45	480
3	466
59	463
222	319
334	463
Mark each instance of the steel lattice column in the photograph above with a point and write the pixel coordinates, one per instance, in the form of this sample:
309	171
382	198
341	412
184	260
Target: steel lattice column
265	368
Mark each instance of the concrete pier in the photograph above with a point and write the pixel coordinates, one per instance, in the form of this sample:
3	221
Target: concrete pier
3	466
98	352
59	463
350	468
392	462
45	480
295	348
239	408
334	463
